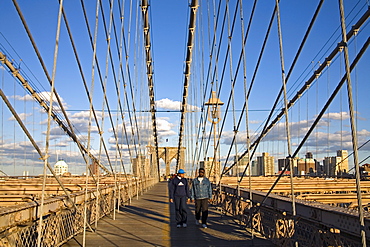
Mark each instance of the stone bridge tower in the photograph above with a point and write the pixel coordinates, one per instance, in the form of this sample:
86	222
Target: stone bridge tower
168	154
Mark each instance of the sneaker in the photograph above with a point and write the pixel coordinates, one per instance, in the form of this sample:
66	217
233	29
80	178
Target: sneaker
204	225
197	222
178	226
184	225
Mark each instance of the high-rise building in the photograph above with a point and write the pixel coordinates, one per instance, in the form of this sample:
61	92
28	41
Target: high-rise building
336	165
240	167
266	163
283	162
307	165
255	169
343	165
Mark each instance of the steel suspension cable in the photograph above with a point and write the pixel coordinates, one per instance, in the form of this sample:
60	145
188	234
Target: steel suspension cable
188	62
251	84
282	64
300	92
71	130
150	71
244	59
46	156
92	111
101	82
215	76
353	124
203	119
232	90
103	107
314	124
124	130
105	96
85	86
93	64
116	84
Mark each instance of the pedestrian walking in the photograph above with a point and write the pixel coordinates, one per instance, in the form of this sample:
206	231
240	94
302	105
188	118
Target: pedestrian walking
201	192
180	195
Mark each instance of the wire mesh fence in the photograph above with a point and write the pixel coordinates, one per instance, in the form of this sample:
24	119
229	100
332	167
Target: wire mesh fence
60	223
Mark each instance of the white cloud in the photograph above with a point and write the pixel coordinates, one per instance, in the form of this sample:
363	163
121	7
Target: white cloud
336	115
43	95
22	116
168	104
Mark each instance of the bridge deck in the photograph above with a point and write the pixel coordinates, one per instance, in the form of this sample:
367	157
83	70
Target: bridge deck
149	221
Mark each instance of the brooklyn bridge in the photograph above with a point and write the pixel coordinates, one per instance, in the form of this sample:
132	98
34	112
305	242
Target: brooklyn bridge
103	101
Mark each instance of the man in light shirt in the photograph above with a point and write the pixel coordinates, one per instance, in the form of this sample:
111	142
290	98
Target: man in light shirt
201	192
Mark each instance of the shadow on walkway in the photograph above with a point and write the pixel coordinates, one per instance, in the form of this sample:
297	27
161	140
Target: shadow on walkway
150	221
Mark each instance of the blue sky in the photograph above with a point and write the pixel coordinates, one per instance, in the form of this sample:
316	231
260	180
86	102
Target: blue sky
169	22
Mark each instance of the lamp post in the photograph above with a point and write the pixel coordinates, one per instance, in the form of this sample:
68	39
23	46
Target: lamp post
214	117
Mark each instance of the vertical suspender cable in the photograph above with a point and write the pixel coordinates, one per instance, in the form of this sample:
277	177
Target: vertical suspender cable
45	158
246	100
70	131
229	35
286	110
353	125
103	108
291	67
90	117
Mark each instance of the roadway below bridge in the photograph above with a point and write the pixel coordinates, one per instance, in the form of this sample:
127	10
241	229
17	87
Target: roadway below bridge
150	221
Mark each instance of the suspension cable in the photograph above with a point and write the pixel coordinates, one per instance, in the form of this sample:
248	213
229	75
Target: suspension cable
43	66
300	92
250	87
188	62
286	113
314	124
353	124
150	71
45	158
85	86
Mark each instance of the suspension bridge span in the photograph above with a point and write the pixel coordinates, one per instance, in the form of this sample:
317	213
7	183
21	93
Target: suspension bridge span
102	101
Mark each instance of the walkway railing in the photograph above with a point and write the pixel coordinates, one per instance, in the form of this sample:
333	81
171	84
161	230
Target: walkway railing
61	220
316	224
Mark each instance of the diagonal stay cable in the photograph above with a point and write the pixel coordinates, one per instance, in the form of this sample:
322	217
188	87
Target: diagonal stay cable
34	144
47	138
101	82
353	124
115	77
314	124
104	90
316	73
203	118
122	42
251	84
84	81
69	130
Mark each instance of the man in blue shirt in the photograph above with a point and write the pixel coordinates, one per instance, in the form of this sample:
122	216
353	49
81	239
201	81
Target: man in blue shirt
201	191
179	193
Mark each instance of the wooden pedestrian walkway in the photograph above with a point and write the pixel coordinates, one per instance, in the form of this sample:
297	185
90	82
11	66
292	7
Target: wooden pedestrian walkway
150	221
